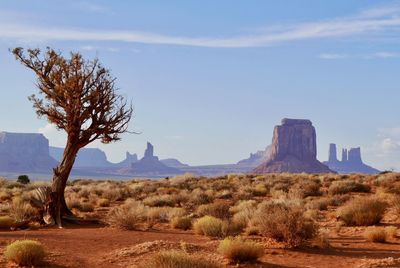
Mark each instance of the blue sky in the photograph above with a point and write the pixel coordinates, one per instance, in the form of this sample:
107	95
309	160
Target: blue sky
210	79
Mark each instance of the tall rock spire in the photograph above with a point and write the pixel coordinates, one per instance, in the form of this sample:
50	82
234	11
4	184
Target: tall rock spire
332	153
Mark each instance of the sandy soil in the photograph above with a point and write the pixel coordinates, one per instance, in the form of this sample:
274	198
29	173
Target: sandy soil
105	247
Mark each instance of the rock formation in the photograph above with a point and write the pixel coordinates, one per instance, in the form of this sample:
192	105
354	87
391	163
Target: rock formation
87	157
25	152
172	162
255	159
128	161
150	165
293	149
351	161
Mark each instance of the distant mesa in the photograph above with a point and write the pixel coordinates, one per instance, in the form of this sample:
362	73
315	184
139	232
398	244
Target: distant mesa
351	161
93	158
255	159
172	162
25	152
150	165
293	149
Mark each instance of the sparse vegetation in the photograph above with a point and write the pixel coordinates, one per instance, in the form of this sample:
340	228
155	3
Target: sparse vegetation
184	223
239	250
284	223
25	252
177	259
362	211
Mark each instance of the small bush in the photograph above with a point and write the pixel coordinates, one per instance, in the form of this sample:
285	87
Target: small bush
184	223
362	211
6	222
86	207
344	187
178	259
127	216
284	223
25	252
24	179
219	210
209	226
376	234
239	250
103	202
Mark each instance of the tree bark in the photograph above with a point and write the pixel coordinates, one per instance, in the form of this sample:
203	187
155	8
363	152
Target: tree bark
58	206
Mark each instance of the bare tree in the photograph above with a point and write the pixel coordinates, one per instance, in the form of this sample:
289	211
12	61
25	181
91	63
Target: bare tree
78	96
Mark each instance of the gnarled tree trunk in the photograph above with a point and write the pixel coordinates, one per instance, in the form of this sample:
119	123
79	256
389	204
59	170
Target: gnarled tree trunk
58	206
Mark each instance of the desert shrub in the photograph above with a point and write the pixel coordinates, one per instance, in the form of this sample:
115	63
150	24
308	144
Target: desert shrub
318	204
73	202
391	231
103	202
344	187
284	223
362	211
127	216
86	207
25	252
21	211
6	222
376	234
239	250
209	226
178	259
159	201
24	179
5	195
217	209
164	214
200	197
184	223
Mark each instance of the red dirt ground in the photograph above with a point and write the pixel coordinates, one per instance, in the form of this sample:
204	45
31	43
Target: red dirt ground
105	247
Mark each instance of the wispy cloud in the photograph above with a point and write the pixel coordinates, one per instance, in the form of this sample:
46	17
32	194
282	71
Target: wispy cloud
368	56
91	7
366	23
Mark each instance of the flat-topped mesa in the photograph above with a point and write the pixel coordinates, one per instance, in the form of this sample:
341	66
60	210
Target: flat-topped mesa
295	137
293	149
289	121
25	152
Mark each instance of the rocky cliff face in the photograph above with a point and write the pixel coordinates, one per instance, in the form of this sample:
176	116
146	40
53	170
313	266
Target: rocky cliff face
293	149
25	152
351	162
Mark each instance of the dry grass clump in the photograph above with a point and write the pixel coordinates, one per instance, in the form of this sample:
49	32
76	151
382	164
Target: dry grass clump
159	201
6	222
22	212
127	216
103	202
209	226
183	223
217	209
178	259
376	234
214	227
25	252
284	223
344	187
362	211
239	250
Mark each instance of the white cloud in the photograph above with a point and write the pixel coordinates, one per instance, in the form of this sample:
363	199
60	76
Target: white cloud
389	145
370	21
375	55
332	56
56	137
